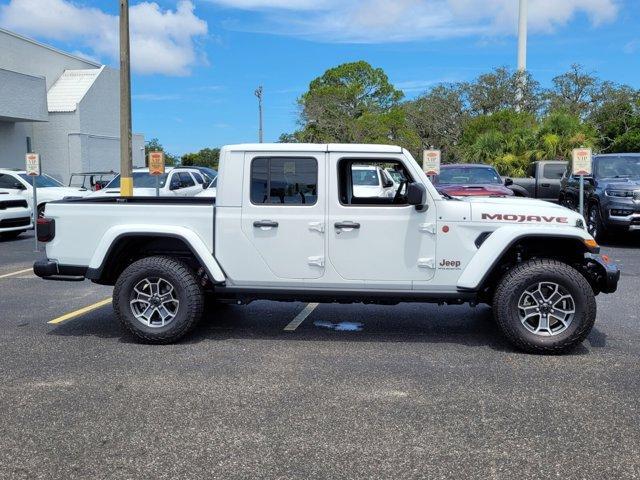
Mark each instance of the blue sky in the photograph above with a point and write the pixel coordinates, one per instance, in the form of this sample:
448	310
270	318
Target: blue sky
197	63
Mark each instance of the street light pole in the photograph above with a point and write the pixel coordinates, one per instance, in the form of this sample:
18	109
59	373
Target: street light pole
522	36
258	93
522	51
126	180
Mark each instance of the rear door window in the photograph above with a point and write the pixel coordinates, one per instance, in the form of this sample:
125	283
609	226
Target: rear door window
284	181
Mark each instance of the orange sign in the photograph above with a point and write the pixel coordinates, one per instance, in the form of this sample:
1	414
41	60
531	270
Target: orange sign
156	163
431	162
581	164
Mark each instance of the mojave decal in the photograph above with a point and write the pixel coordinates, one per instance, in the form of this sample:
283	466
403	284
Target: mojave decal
508	217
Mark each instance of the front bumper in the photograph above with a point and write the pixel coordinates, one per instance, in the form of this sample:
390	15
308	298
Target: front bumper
605	275
623	213
51	270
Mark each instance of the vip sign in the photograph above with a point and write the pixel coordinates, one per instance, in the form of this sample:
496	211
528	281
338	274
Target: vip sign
156	163
431	162
581	165
33	164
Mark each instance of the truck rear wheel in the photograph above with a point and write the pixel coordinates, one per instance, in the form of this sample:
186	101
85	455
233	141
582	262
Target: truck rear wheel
158	299
544	306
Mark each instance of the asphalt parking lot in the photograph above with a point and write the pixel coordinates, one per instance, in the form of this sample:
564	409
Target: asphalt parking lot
408	391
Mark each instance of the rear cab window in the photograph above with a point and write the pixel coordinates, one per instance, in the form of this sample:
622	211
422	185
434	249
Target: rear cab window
284	181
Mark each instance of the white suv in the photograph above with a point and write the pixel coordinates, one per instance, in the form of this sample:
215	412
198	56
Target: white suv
184	182
19	183
372	181
15	215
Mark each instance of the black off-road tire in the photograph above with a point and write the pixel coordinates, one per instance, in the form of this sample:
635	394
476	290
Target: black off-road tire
516	281
188	292
594	213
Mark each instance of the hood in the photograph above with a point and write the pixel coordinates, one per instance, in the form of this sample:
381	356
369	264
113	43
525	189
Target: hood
483	190
620	183
522	210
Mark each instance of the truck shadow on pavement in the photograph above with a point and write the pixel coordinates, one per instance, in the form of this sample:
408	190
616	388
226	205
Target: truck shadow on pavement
408	323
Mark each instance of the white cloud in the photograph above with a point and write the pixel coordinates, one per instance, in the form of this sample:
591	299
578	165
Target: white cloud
381	21
162	41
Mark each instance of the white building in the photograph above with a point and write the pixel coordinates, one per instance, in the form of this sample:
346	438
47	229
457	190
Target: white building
61	106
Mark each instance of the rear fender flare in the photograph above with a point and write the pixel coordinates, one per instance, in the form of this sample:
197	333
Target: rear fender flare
190	238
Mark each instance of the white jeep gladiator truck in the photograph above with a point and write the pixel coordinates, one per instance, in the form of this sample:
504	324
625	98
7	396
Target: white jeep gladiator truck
286	225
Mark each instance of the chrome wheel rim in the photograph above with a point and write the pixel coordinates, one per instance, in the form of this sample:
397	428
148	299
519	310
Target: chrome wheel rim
546	309
592	224
154	302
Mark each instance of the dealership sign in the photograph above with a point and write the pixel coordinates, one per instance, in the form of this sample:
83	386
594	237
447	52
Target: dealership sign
581	165
431	162
33	164
156	163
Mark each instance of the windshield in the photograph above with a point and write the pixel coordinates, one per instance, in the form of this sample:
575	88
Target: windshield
141	180
468	176
43	181
365	177
618	167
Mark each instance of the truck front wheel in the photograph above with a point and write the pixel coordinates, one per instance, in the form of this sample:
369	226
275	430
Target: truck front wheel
158	299
544	306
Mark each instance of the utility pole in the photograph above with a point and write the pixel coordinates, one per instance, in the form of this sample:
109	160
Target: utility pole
258	93
126	180
522	51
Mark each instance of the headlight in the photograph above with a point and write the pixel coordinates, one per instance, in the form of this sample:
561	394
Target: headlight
619	193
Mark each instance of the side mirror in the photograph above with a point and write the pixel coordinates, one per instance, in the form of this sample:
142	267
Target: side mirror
19	186
416	195
508	182
589	180
176	184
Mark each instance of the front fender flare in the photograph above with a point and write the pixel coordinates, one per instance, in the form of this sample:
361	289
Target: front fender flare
500	241
191	239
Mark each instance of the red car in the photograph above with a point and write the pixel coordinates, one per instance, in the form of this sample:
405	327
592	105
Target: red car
470	180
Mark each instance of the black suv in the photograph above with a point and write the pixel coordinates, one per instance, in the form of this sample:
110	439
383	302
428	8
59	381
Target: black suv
611	196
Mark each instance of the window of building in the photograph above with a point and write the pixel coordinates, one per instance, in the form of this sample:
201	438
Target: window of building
284	181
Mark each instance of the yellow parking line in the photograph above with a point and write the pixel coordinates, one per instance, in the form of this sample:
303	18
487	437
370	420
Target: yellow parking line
16	273
296	322
81	311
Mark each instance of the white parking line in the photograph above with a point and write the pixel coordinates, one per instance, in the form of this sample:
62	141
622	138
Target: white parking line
296	322
16	273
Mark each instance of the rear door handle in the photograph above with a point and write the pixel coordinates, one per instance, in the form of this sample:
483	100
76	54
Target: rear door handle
265	224
346	225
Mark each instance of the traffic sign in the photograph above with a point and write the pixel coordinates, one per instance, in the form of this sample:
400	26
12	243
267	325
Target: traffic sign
156	163
431	162
33	164
581	164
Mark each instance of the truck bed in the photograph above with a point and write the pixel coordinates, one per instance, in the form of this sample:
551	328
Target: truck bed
92	220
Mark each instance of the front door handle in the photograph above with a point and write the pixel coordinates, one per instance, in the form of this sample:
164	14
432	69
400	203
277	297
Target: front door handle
265	224
545	184
346	225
